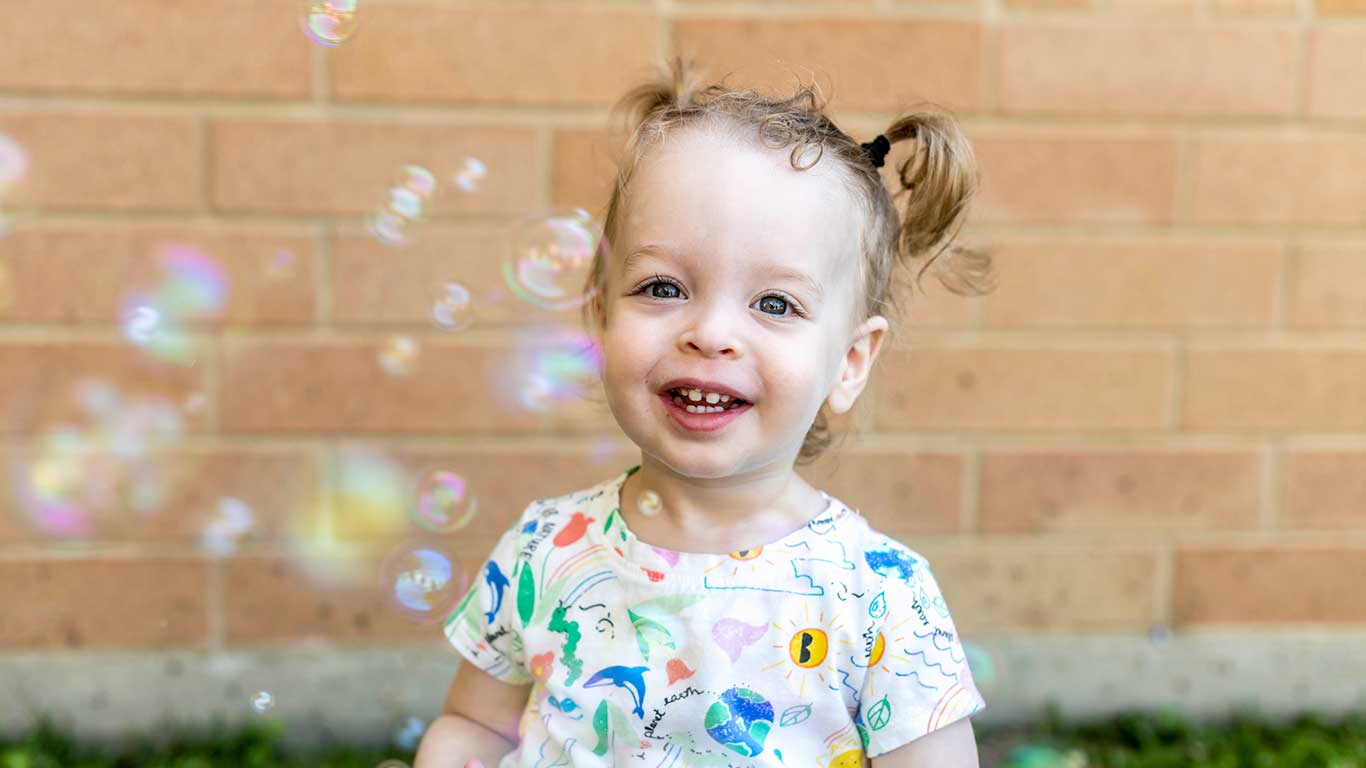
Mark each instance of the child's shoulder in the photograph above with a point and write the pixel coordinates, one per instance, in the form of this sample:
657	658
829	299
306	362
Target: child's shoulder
883	554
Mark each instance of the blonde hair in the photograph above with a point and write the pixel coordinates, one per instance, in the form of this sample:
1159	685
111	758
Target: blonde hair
937	190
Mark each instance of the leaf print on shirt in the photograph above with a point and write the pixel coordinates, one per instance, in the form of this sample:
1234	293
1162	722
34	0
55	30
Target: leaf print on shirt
651	619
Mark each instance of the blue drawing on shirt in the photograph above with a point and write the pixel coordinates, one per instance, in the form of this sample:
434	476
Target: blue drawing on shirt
497	582
891	562
630	678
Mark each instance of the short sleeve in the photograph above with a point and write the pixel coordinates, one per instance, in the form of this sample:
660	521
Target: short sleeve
918	678
484	627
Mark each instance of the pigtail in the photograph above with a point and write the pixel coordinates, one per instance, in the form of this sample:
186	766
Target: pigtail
938	180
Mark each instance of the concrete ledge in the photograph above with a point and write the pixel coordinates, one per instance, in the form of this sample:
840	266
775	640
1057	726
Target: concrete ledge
364	696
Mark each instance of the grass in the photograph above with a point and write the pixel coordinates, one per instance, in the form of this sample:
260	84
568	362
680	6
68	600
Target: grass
1163	739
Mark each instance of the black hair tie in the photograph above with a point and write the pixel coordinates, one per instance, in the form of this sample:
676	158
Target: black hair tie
877	149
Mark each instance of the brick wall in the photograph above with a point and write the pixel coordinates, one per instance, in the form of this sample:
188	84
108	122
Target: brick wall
1156	419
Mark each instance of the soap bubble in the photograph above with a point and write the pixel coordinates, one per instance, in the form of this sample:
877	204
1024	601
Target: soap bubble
549	258
649	503
423	580
444	504
404	206
546	367
451	307
398	355
328	22
468	178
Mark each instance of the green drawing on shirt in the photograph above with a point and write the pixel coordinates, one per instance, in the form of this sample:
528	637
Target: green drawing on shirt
526	595
880	714
570	630
648	620
608	718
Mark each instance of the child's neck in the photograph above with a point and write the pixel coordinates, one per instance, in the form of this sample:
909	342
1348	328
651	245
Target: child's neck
718	517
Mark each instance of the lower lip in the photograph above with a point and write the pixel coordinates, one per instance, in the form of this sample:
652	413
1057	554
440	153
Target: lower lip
701	422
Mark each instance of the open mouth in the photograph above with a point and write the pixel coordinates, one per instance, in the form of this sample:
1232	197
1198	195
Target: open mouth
711	403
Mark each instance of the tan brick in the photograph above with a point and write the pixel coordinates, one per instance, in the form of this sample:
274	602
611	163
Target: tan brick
1340	7
40	382
1274	179
327	386
1275	388
1165	9
1328	289
104	161
1118	490
1264	584
584	168
1049	175
1045	589
1047	5
948	386
103	601
269	599
490	54
84	275
155	48
1323	489
939	59
1207	69
1135	284
348	165
898	492
1336	90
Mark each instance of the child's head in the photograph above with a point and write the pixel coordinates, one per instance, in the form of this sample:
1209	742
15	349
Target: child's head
750	242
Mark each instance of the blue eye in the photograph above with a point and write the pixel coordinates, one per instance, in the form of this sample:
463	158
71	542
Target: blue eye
785	302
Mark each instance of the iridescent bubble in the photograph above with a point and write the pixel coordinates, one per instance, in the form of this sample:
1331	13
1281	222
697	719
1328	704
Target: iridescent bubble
328	22
398	355
13	162
331	538
403	206
221	534
262	702
546	367
451	307
423	580
444	504
282	264
389	228
141	324
649	503
549	258
407	735
191	287
81	479
468	178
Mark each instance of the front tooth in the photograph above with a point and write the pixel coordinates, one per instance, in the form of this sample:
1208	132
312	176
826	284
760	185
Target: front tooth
695	395
713	398
724	399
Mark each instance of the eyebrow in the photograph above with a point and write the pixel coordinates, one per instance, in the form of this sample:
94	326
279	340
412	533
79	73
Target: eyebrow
777	270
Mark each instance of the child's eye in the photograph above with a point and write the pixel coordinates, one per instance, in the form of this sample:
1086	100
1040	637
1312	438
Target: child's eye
782	302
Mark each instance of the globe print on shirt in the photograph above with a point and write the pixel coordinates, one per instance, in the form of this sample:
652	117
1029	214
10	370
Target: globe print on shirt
828	645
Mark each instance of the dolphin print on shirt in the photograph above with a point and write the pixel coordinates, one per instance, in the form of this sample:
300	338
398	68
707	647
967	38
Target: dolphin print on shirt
630	678
497	582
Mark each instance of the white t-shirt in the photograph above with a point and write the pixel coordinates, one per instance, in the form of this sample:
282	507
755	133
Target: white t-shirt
827	645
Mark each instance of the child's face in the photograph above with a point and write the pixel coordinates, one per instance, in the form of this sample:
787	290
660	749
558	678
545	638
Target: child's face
724	214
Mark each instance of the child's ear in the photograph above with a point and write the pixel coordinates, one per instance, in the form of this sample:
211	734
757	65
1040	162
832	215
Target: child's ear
858	363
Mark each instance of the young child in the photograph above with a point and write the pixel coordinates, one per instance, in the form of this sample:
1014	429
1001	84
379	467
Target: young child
706	606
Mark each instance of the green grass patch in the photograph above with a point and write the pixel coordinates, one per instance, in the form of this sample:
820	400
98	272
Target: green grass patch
1162	739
